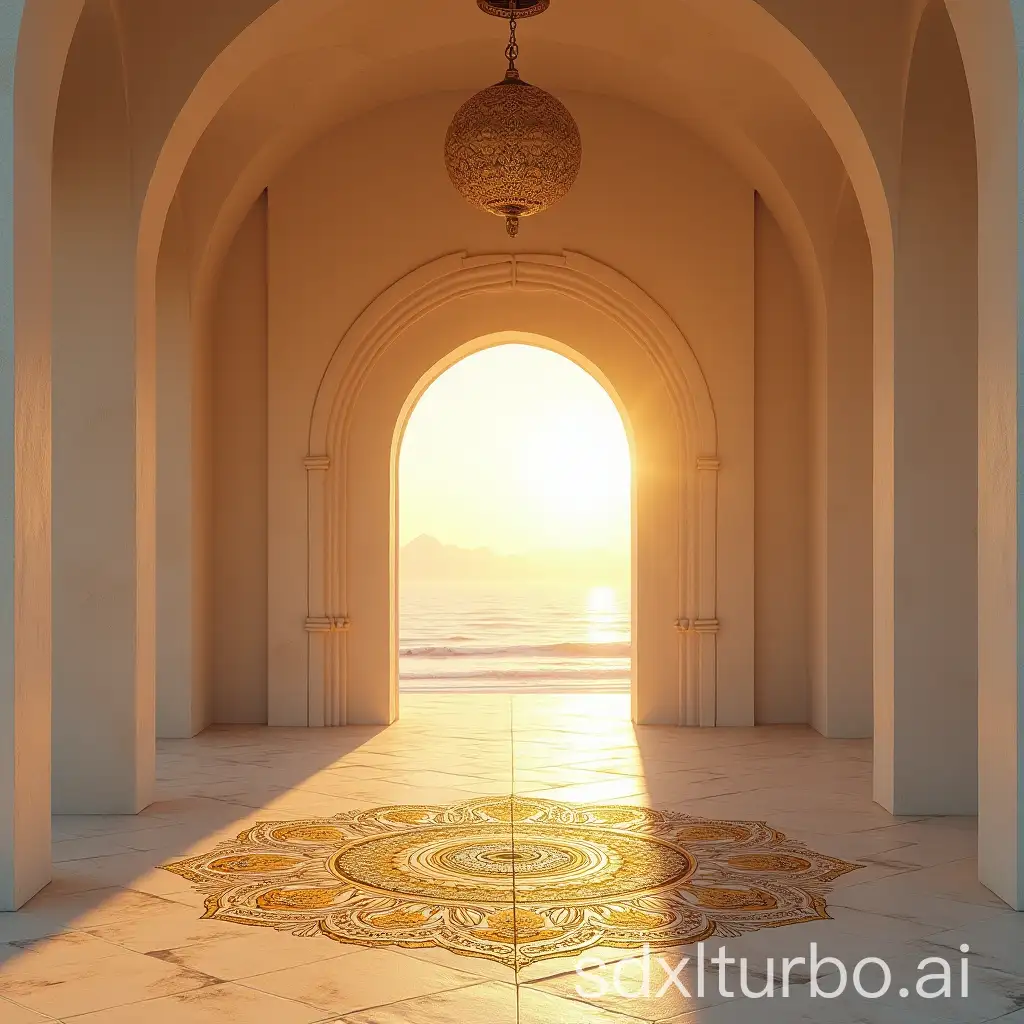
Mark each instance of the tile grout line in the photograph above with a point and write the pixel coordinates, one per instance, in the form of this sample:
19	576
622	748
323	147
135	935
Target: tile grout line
512	825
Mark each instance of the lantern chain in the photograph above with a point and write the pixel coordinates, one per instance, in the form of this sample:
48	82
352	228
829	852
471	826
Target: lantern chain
512	221
512	52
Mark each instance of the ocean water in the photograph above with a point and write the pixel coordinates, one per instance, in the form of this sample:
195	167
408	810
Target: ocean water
514	637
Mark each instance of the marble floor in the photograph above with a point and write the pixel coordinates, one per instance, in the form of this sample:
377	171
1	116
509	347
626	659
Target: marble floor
117	940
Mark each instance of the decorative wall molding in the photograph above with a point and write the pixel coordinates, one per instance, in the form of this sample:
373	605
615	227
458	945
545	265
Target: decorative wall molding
706	626
328	624
698	626
412	298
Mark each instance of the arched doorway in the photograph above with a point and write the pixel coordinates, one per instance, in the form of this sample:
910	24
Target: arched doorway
515	530
384	364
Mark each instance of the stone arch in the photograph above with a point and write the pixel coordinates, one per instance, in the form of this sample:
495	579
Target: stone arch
989	37
34	41
103	431
636	316
933	466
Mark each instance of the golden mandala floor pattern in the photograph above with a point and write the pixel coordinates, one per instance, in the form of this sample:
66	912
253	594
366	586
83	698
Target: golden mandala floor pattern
515	880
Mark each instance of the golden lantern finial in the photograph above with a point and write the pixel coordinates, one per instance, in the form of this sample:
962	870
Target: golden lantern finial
513	149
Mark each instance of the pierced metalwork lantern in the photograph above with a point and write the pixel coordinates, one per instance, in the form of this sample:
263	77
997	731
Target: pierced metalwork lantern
513	149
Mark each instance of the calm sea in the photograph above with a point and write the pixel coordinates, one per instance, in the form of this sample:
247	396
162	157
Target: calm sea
526	638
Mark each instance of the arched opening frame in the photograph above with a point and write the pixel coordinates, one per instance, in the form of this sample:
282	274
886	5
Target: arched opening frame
675	506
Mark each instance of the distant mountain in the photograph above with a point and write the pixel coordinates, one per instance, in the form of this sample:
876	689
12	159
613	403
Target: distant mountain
426	558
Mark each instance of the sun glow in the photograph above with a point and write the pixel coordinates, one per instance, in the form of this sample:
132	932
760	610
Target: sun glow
603	616
517	449
602	601
576	467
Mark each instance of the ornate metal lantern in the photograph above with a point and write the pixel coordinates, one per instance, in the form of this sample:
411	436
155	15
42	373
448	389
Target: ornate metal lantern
513	149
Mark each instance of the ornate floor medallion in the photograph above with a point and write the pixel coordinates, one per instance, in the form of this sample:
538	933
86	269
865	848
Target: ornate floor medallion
514	880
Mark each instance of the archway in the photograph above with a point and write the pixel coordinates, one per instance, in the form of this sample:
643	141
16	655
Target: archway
514	497
383	364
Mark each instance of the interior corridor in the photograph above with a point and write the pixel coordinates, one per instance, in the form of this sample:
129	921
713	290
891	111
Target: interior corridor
116	939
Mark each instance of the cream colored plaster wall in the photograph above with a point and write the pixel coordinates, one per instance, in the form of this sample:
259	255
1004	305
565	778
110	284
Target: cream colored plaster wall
369	203
783	421
34	41
989	34
817	534
203	678
104	420
841	640
179	673
926	731
239	422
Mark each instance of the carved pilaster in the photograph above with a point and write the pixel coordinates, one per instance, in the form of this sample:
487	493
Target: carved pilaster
705	626
326	654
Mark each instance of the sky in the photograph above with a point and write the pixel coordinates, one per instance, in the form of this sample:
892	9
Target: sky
517	449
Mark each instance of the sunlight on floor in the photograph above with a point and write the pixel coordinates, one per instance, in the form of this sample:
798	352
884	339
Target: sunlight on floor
591	733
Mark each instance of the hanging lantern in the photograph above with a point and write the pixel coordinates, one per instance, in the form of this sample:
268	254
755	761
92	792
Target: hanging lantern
513	149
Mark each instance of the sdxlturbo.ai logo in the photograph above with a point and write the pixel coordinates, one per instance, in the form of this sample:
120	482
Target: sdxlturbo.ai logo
824	977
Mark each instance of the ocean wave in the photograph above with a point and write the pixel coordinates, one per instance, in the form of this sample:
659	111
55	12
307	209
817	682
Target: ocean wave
510	675
563	650
545	687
